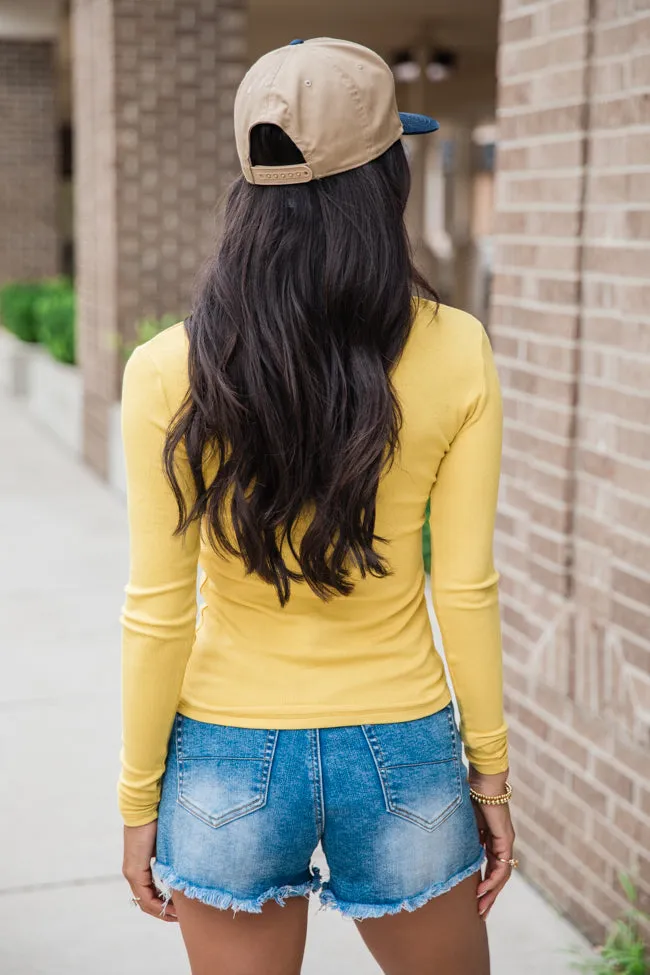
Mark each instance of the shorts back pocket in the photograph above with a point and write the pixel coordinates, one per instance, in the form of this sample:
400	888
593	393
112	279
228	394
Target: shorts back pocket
223	772
419	766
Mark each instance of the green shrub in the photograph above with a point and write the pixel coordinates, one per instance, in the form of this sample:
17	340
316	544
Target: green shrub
55	318
426	540
17	302
147	329
624	952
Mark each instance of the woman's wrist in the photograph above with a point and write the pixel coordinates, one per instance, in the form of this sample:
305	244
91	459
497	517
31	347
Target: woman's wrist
488	784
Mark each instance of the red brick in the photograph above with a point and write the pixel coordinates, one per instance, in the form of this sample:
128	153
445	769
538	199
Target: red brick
591	859
567	14
633	442
552	189
560	358
532	721
633	372
632	757
623	39
506	345
508	284
634	552
518	59
633	825
555	517
517	28
624	296
572	810
612	844
616	10
635	620
518	742
633	514
516	93
644	800
552	549
561	86
592	793
512	158
636	653
541	122
597	464
644	867
591	528
567	48
615	402
614	778
515	678
612	331
510	553
626	261
638	224
509	222
555	768
631	586
591	922
556	291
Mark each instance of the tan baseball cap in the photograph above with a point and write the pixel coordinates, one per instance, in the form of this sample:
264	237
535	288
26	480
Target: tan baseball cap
334	99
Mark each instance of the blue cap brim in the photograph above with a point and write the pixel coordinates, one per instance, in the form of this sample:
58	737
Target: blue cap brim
418	124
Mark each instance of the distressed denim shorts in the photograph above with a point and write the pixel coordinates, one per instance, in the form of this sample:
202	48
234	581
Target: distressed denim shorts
243	809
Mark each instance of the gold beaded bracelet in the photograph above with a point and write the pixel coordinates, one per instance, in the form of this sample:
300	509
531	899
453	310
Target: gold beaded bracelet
484	800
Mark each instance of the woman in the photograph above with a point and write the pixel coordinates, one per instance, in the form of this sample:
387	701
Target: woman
287	438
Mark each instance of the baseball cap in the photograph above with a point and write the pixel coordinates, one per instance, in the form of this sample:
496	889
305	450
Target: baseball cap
334	99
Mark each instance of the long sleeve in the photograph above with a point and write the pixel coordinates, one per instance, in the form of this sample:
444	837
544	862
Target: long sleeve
159	614
463	578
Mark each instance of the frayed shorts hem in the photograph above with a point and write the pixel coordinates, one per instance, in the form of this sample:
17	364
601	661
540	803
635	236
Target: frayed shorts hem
167	881
361	911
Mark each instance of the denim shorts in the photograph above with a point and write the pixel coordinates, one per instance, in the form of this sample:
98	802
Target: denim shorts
243	809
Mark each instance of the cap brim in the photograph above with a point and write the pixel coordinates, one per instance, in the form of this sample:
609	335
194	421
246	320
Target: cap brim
414	124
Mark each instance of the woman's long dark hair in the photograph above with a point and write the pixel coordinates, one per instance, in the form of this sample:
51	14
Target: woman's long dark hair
301	317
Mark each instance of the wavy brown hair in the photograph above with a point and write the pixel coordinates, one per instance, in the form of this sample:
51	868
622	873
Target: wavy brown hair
300	319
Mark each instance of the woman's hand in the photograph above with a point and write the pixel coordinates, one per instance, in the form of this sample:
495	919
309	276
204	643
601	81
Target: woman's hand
497	836
139	848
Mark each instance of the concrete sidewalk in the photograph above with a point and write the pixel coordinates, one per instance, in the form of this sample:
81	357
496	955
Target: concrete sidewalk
63	904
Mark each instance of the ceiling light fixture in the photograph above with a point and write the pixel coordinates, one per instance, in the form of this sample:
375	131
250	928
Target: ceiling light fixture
440	65
405	67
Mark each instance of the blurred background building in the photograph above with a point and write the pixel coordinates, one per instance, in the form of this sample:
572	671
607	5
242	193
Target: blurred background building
117	145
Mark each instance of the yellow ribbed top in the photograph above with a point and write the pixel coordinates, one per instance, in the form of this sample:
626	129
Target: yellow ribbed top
364	658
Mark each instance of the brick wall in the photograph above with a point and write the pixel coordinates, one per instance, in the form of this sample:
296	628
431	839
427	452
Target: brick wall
571	329
28	161
154	88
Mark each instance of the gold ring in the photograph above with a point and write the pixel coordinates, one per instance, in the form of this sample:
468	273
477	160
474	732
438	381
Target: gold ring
514	863
134	900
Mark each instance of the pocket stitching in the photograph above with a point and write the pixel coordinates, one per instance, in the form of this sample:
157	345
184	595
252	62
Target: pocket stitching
237	812
368	732
391	804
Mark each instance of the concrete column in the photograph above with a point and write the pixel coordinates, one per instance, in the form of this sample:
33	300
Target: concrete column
413	98
462	198
434	228
154	84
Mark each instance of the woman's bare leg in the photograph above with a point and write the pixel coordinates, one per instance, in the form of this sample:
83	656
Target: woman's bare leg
219	942
444	937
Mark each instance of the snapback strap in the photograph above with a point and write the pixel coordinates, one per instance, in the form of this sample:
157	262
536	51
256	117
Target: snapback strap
281	175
